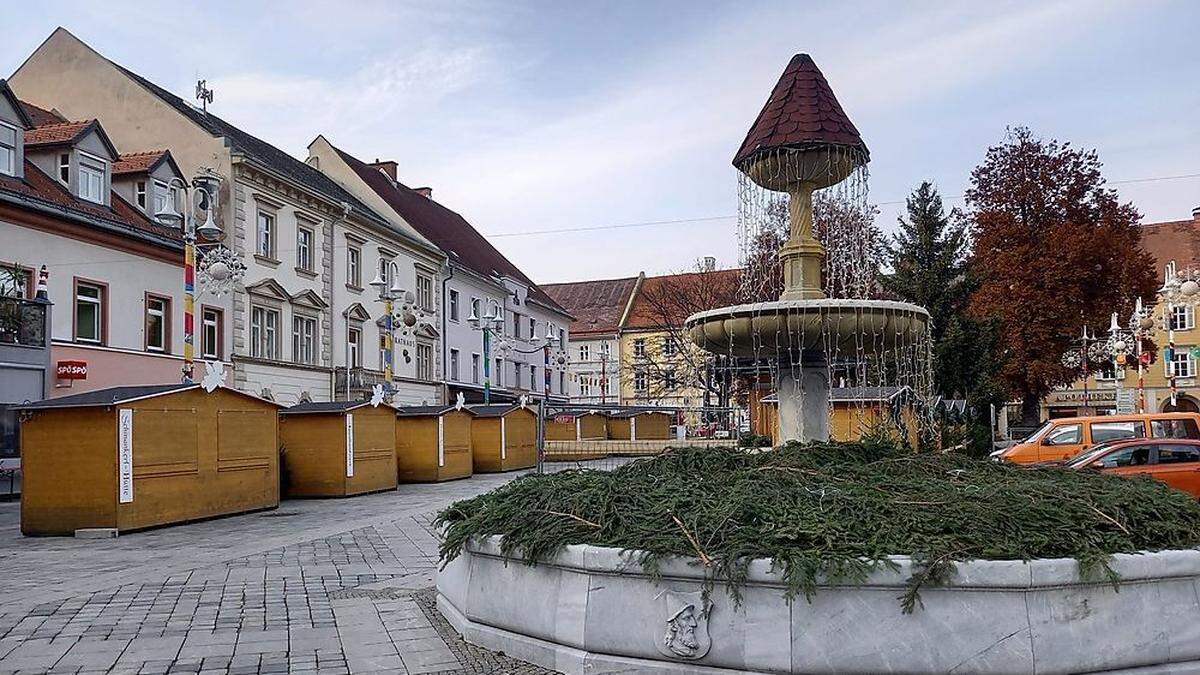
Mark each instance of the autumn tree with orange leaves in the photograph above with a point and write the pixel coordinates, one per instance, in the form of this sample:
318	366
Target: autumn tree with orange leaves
1054	251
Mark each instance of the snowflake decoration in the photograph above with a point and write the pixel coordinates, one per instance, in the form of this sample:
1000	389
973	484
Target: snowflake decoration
1072	359
219	270
524	400
376	395
460	401
214	376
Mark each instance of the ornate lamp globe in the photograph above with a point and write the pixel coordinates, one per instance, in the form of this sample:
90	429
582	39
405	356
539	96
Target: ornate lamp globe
1189	288
219	271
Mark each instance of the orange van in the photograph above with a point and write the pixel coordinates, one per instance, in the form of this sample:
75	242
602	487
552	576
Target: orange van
1063	438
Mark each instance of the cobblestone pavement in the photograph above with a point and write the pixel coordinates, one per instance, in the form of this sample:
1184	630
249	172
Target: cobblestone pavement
316	586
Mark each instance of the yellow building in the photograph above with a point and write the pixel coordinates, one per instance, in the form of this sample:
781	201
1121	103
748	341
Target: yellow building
1115	389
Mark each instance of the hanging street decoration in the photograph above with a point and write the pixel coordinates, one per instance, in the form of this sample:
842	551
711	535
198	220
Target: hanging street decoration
220	271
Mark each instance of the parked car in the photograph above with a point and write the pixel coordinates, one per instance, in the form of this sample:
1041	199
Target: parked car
1175	462
1064	438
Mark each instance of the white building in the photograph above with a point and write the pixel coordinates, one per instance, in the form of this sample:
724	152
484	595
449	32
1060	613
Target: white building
287	330
476	278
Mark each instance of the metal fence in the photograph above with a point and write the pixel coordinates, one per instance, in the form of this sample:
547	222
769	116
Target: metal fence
606	437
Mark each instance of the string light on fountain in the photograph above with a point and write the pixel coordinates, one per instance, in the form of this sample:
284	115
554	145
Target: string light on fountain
809	319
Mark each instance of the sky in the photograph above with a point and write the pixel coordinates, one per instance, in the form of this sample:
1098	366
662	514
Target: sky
618	119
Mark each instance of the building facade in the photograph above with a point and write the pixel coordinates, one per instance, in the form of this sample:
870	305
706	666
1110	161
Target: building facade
1112	389
600	309
475	280
285	330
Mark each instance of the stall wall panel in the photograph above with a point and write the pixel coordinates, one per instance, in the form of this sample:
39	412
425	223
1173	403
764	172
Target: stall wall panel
165	443
69	460
246	439
519	440
457	430
374	451
314	455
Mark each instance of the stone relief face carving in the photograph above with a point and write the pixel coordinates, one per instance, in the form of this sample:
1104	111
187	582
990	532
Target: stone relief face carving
685	625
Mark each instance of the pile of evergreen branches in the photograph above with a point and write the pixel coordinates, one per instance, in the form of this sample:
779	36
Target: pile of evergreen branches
832	510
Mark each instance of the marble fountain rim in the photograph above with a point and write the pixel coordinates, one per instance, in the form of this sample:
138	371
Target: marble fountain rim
775	307
970	574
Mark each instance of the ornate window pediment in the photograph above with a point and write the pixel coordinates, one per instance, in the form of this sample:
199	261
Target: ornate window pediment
269	288
356	312
308	298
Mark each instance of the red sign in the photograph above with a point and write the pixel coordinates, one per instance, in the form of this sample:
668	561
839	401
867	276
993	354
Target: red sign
72	370
564	419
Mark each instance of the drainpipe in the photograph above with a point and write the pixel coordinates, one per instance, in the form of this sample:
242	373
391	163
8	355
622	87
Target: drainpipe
445	358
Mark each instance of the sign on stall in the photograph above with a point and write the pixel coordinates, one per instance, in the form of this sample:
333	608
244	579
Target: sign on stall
349	445
125	455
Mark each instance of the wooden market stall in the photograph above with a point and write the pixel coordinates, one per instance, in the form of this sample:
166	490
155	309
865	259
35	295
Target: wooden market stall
433	443
503	437
854	412
127	458
640	425
577	425
337	449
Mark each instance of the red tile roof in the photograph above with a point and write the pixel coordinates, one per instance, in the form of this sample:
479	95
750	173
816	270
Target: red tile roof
36	186
41	116
1177	240
666	301
801	111
137	162
446	229
596	305
57	133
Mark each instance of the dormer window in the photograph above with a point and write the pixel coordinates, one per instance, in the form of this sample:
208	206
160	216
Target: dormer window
162	196
64	168
139	194
8	149
92	172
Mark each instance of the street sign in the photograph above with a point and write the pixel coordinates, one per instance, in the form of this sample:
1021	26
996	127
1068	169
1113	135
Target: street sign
1125	401
71	370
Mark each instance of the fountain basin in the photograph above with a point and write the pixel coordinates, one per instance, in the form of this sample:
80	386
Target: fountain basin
787	328
594	609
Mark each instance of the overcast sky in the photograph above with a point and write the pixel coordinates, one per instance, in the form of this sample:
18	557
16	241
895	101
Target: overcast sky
527	117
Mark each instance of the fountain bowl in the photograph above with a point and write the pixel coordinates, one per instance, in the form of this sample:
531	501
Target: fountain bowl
785	169
787	328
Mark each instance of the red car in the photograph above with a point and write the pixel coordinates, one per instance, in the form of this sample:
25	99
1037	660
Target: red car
1174	461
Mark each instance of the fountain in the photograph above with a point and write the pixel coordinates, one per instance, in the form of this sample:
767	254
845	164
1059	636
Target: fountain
801	142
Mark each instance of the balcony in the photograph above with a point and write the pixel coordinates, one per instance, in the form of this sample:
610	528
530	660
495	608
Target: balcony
22	322
361	381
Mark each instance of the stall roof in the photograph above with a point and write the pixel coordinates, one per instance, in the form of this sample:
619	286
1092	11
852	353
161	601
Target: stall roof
311	408
494	409
576	412
427	410
622	414
125	394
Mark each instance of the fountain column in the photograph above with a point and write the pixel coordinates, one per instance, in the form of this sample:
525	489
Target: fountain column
801	254
803	393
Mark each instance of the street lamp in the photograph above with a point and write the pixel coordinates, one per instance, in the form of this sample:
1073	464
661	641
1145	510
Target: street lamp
488	324
1176	289
406	313
219	270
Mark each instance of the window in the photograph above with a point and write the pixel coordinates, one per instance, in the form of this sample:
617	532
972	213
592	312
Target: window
562	382
605	349
670	381
585	351
158	322
499	371
476	305
1107	431
354	347
211	333
304	339
1135	455
139	194
64	168
1068	434
454	364
1181	363
533	328
1109	372
89	312
383	350
1177	454
475	368
585	386
668	346
425	291
425	362
264	333
385	271
532	377
8	149
353	267
304	252
265	246
1174	428
1183	317
163	195
516	325
453	302
639	347
640	381
517	374
562	338
91	178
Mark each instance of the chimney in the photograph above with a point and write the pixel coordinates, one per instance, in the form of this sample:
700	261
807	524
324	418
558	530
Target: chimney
426	192
389	167
1196	214
710	264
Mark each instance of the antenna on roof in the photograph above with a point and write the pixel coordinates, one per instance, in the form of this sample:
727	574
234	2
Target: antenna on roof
203	94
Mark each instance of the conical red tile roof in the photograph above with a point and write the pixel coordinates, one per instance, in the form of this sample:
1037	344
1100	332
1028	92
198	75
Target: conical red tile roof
801	112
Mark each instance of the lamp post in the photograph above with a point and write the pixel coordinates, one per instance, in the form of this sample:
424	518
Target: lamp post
219	270
491	321
1176	289
406	313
